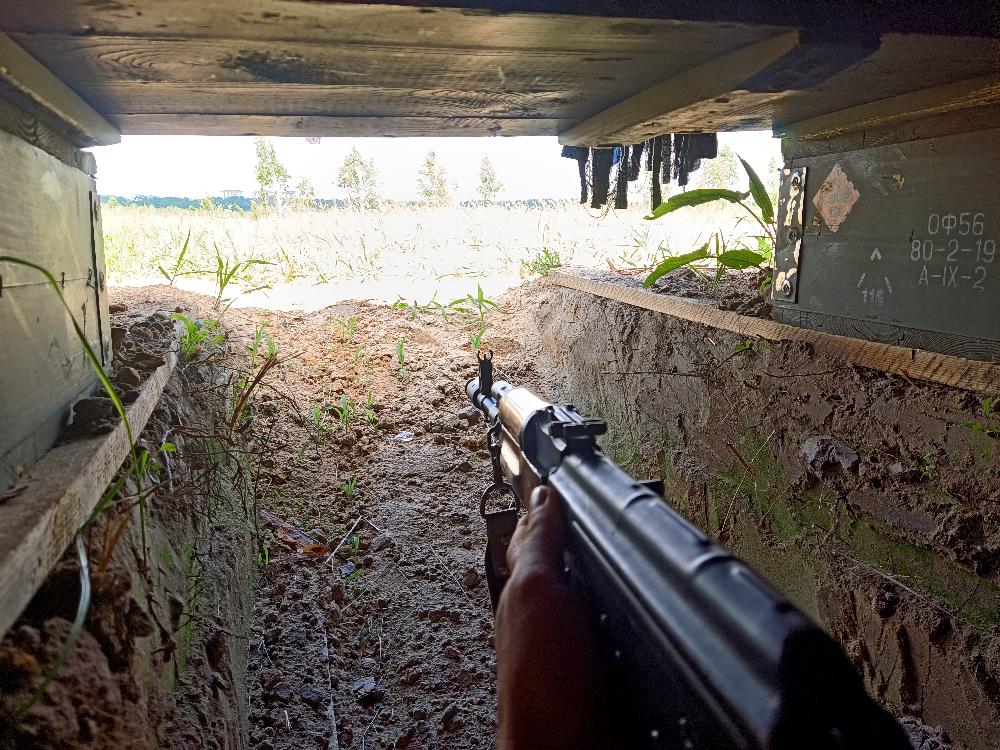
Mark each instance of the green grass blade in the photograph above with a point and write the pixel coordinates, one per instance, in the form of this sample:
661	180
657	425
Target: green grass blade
759	193
740	258
74	632
695	198
94	361
675	261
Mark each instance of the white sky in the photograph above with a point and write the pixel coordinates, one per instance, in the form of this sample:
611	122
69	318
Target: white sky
199	166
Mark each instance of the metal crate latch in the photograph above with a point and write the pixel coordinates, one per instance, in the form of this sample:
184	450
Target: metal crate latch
788	244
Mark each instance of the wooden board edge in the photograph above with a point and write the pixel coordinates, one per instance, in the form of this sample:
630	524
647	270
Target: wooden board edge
39	89
913	363
710	80
332	126
43	512
971	93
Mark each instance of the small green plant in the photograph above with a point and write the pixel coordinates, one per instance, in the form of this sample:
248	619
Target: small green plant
345	412
349	489
433	306
482	303
744	347
171	274
740	257
227	271
197	336
347	328
544	261
413	308
262	339
370	416
401	368
990	424
319	422
476	339
926	466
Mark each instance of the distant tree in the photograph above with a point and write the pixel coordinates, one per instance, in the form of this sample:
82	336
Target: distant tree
272	176
724	171
489	185
305	194
359	178
432	182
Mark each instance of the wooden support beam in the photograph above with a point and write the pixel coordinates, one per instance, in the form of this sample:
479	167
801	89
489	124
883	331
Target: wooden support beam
330	126
645	114
40	515
914	363
937	100
32	87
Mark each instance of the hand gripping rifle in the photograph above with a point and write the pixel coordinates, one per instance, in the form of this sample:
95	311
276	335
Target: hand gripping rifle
705	654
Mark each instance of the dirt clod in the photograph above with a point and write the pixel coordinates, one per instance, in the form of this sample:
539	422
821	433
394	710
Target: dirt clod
367	691
825	455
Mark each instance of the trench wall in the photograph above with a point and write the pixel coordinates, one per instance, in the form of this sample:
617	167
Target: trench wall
871	501
161	659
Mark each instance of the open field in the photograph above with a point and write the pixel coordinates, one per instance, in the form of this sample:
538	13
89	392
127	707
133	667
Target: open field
316	257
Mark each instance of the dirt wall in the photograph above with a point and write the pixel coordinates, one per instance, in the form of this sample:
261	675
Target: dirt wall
872	501
162	655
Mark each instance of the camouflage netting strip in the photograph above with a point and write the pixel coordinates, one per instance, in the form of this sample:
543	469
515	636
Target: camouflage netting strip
666	157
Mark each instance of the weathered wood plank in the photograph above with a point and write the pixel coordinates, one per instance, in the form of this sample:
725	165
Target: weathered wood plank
42	513
134	98
913	363
43	369
896	132
936	100
91	60
35	89
286	125
382	24
901	64
644	115
45	219
44	215
101	277
40	135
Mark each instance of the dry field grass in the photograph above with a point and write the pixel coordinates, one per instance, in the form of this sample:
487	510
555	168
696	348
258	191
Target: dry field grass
319	256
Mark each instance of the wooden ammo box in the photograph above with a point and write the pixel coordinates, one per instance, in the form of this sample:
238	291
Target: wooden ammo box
895	243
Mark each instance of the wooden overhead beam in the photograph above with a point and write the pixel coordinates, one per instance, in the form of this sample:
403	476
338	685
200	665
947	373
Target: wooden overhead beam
331	126
645	114
32	87
937	100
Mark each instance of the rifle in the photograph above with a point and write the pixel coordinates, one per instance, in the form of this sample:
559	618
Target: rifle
703	652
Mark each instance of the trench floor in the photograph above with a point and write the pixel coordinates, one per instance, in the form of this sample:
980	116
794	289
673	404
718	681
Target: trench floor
372	626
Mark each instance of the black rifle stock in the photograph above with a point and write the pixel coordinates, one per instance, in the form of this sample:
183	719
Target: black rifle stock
703	652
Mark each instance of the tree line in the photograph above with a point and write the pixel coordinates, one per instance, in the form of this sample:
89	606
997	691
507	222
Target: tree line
242	204
359	178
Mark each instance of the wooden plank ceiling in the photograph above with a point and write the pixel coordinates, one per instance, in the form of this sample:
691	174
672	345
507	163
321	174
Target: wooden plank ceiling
298	67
